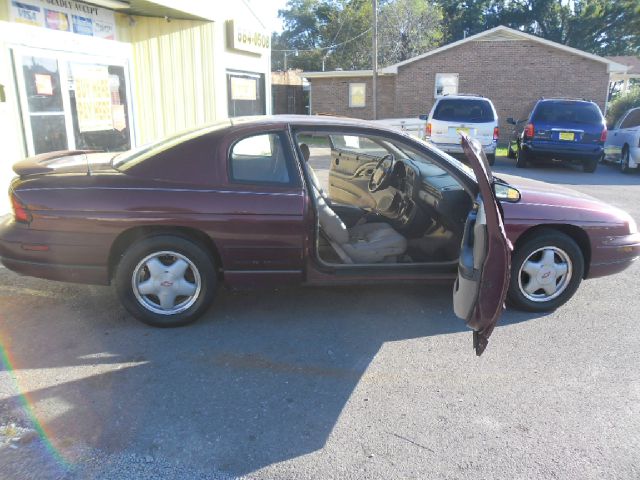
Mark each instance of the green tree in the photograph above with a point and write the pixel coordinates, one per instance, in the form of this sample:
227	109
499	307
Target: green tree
407	28
310	26
338	33
603	27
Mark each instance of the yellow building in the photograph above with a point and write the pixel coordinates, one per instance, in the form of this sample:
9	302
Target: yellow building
111	74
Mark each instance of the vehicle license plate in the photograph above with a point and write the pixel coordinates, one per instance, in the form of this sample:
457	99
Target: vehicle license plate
462	130
567	136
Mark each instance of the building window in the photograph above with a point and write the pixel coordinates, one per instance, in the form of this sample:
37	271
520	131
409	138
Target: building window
357	94
446	84
259	159
245	94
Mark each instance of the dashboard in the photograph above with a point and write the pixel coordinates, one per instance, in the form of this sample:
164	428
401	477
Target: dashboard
420	189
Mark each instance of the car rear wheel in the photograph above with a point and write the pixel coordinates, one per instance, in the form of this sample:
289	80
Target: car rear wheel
624	161
166	281
546	271
491	158
589	166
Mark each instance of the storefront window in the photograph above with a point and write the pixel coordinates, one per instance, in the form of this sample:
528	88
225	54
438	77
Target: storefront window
98	100
73	105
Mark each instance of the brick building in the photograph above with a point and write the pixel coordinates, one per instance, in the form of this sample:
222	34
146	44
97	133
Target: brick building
512	68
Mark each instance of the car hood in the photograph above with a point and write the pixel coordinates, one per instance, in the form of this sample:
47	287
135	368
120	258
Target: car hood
548	202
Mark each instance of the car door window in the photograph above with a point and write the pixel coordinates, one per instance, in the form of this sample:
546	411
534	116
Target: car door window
632	119
260	159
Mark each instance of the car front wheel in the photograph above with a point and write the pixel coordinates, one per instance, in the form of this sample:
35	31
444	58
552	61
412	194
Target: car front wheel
546	271
166	280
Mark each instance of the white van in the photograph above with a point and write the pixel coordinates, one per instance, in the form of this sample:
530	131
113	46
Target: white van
472	114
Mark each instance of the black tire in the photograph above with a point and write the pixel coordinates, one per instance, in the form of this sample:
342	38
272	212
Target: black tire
538	240
589	166
524	159
624	161
201	269
491	158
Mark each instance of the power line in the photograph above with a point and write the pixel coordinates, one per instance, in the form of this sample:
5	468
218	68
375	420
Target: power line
325	48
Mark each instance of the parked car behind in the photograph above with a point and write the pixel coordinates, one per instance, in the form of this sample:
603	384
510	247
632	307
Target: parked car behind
413	126
623	142
564	130
472	114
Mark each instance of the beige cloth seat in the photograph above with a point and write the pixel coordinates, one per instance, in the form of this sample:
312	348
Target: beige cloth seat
364	243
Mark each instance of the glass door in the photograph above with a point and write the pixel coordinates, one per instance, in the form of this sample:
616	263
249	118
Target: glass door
71	101
43	104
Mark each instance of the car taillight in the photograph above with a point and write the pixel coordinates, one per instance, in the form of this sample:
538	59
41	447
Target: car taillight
528	131
603	135
496	133
20	212
428	129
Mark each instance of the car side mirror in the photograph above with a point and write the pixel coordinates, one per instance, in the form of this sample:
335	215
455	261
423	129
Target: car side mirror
511	121
423	117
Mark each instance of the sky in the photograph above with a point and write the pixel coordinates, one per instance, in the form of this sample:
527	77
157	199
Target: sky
268	12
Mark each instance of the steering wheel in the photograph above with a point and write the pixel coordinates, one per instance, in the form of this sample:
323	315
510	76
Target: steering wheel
381	176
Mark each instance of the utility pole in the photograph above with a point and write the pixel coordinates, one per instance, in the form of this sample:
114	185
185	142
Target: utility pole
374	82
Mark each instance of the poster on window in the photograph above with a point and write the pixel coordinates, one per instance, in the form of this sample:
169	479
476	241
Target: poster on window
244	88
93	98
65	15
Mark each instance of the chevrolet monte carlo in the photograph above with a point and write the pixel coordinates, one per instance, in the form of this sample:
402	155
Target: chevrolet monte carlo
315	201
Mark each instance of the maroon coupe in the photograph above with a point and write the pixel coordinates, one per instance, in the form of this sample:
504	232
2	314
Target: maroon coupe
313	200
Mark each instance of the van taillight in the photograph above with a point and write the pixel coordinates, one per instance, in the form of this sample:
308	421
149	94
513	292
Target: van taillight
528	131
428	129
20	212
603	135
496	133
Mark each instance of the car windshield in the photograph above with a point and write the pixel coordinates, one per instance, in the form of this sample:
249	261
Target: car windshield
131	157
464	110
567	112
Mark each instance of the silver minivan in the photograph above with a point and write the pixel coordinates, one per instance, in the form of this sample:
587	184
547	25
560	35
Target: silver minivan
472	114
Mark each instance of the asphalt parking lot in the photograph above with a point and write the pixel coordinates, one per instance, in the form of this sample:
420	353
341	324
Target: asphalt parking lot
331	383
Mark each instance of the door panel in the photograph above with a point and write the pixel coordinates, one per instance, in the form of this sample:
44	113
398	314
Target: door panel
349	176
485	256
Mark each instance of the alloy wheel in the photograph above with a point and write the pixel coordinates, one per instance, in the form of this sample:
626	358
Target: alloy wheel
545	274
166	283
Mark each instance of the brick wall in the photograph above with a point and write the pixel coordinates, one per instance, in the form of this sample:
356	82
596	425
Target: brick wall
513	74
331	96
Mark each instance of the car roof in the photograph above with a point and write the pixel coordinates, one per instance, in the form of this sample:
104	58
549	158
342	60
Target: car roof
311	120
565	100
463	96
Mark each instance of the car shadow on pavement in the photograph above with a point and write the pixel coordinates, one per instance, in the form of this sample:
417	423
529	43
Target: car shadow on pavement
262	378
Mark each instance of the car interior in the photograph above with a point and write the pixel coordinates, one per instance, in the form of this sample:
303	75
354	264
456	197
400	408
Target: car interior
381	202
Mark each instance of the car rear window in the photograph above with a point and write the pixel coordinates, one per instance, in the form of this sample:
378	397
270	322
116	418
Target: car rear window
464	110
567	112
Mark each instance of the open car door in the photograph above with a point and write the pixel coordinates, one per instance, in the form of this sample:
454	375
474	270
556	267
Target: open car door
485	257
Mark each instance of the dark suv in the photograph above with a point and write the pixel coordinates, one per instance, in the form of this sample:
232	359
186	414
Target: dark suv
563	130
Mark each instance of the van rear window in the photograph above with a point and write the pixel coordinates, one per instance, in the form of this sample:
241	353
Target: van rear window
463	110
567	112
